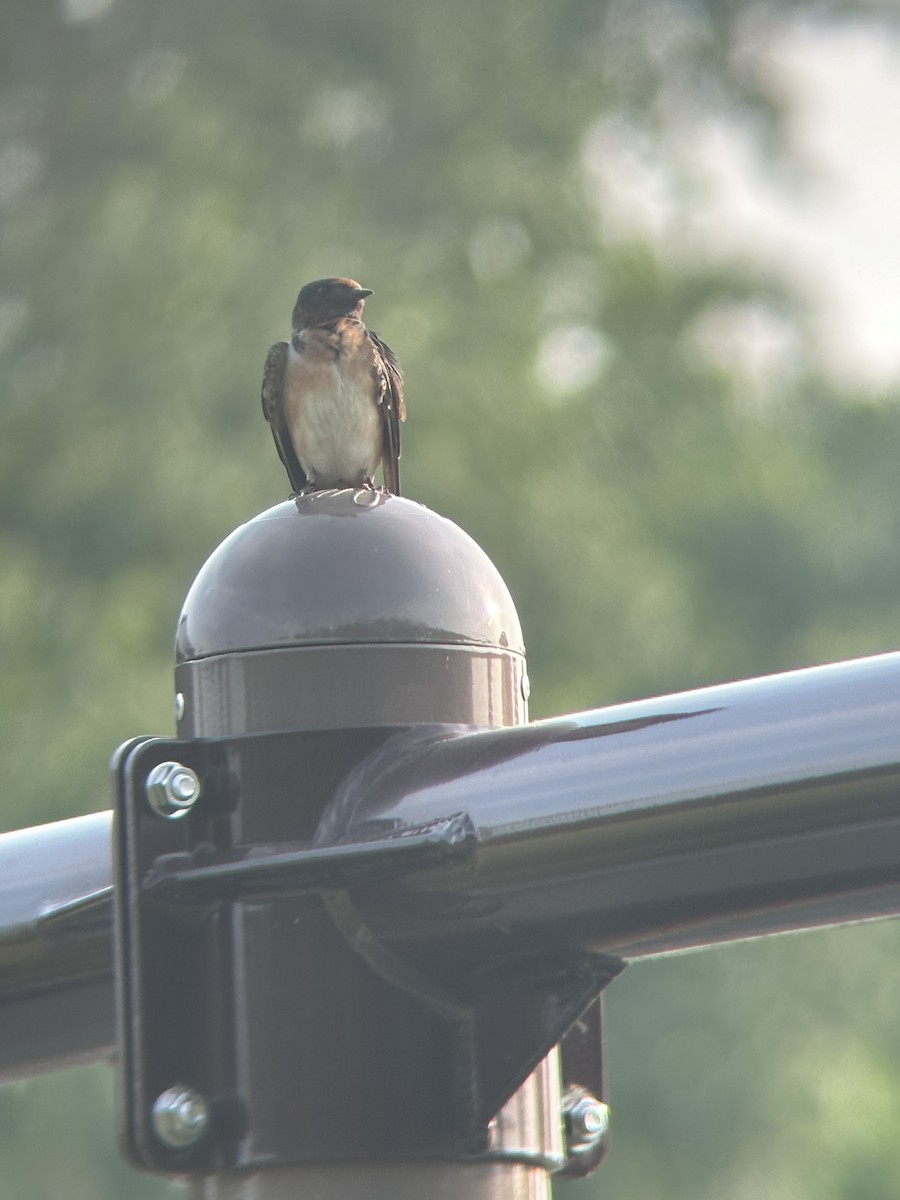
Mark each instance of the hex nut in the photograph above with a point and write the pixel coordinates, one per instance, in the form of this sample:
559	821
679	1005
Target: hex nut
586	1119
172	790
180	1117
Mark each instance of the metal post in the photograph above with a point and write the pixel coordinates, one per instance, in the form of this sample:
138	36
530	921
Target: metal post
360	899
379	1181
340	610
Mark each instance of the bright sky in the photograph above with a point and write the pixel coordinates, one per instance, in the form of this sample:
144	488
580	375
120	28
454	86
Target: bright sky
838	238
832	228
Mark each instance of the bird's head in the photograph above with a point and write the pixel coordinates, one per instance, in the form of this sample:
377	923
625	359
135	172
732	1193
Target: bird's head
324	300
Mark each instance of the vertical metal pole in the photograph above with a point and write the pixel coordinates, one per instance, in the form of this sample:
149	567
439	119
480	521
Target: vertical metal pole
380	1181
324	614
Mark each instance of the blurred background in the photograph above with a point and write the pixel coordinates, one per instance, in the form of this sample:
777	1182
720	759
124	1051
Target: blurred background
640	262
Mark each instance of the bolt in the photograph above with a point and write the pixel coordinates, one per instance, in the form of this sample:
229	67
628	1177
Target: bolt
180	1117
172	789
179	706
586	1118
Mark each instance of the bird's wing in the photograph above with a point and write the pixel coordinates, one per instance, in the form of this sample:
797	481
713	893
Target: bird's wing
393	411
273	409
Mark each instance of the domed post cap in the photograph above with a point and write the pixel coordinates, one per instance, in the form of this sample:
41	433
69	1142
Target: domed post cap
350	570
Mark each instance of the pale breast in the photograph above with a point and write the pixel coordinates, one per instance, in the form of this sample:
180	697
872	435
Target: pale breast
329	405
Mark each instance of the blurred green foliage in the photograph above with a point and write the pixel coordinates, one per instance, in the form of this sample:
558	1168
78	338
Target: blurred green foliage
170	174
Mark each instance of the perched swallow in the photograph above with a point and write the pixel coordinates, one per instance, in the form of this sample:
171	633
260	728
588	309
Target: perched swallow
333	394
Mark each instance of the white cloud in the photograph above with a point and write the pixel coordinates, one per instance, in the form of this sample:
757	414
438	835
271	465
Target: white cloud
709	191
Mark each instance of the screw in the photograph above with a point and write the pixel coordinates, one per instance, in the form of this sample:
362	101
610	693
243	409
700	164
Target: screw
586	1119
179	705
172	789
180	1117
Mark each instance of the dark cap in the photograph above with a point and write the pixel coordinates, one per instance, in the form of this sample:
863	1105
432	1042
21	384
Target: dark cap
343	567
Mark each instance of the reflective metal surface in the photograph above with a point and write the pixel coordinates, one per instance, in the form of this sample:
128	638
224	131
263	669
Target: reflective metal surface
55	945
727	812
180	1116
343	567
336	687
332	611
172	790
709	816
431	1181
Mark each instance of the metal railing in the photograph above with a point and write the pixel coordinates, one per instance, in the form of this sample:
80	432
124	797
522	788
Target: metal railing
381	906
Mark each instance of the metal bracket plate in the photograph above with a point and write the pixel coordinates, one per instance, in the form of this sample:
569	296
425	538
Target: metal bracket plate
239	985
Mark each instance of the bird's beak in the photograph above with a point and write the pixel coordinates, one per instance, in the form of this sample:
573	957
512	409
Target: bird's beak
361	293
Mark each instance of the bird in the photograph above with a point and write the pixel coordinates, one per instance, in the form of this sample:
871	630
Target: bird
333	394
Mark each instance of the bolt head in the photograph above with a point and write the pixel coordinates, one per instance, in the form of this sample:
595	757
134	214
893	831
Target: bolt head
180	1117
594	1118
172	790
587	1120
184	786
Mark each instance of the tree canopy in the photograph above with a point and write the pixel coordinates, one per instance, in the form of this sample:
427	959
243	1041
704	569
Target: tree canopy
170	174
